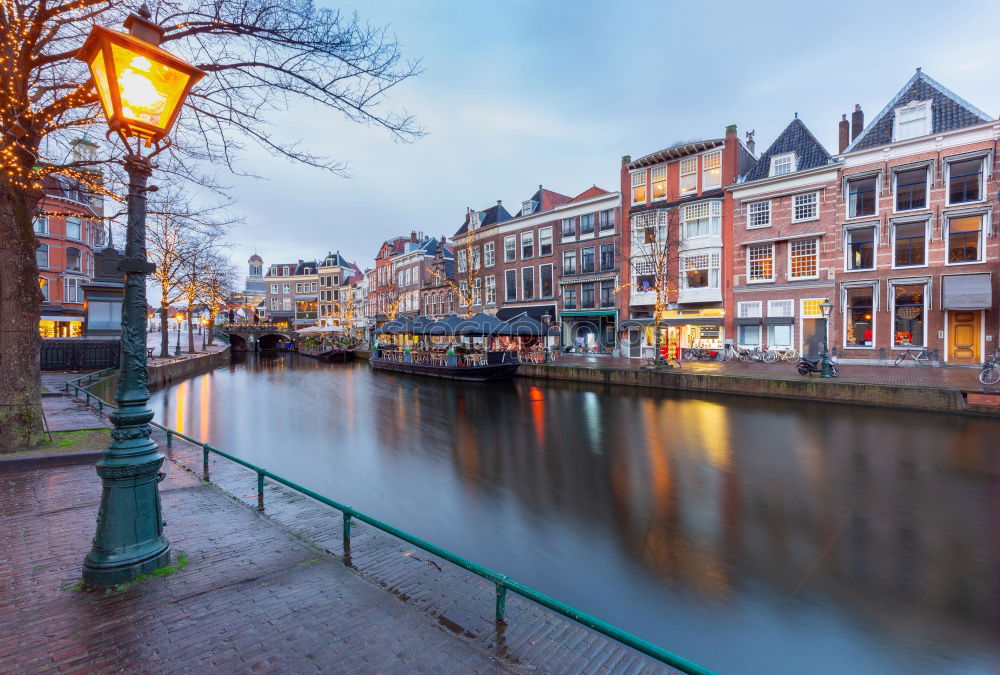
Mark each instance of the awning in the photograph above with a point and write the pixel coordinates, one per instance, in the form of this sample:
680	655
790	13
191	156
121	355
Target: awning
587	312
779	321
966	291
537	312
694	321
309	299
748	321
67	319
567	281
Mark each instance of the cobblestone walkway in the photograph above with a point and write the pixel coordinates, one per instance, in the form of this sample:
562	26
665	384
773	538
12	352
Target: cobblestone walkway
268	593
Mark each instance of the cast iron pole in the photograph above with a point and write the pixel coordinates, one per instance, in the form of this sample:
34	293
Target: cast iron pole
129	539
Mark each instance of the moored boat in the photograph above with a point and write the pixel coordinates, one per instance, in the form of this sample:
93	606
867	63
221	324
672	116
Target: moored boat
485	367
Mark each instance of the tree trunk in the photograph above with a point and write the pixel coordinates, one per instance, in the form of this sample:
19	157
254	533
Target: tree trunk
190	314
164	329
210	326
20	300
656	340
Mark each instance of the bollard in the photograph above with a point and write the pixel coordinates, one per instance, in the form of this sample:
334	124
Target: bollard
501	602
204	462
347	527
170	439
260	491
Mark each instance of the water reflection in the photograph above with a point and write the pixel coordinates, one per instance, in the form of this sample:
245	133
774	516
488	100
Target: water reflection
782	535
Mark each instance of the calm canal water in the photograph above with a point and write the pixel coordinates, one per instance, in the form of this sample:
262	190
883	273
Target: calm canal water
748	535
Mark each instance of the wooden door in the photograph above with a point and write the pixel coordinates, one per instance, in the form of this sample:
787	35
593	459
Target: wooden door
963	337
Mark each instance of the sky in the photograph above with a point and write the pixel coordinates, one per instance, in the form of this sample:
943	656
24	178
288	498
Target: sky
517	94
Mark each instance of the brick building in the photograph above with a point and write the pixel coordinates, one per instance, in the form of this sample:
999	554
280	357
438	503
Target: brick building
916	214
675	207
333	276
786	250
292	293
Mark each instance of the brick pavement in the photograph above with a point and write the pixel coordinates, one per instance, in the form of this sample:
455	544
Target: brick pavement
267	592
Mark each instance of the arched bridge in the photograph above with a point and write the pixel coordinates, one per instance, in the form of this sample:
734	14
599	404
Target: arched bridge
255	337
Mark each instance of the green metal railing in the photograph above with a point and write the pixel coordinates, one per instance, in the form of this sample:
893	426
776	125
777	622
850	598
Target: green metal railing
502	582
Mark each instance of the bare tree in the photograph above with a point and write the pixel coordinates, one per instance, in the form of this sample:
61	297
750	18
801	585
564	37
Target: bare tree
218	288
261	56
468	282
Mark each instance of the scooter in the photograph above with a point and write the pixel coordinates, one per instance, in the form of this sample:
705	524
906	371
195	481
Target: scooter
809	366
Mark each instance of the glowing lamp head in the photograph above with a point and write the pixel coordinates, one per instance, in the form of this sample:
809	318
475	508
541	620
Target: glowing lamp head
179	317
204	321
141	87
41	282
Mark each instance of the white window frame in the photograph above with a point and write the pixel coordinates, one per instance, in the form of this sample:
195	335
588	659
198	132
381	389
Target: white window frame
274	289
778	161
491	290
527	238
772	306
892	243
545	234
552	277
770	245
749	309
527	207
795	207
571	253
40	225
742	328
489	254
713	263
752	213
711	161
47	249
847	195
286	288
847	247
531	269
948	217
688	167
713	216
658	174
510	248
892	310
508	287
984	166
474	220
895	188
845	290
638	179
791	245
912	107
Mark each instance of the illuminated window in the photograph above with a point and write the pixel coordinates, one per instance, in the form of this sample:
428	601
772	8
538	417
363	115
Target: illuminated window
758	214
689	175
545	280
908	308
859	317
638	186
711	170
811	308
760	262
964	237
803	262
805	207
658	176
701	271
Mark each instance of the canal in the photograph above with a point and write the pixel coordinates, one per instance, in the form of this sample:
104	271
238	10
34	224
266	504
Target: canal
748	535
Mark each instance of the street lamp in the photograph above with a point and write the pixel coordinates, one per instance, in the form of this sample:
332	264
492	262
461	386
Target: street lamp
141	89
826	307
204	334
178	319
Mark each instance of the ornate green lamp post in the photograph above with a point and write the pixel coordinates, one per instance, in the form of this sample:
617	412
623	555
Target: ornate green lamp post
826	307
141	89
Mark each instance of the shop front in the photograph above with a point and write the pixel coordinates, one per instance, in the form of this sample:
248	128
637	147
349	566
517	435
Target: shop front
589	331
679	330
60	326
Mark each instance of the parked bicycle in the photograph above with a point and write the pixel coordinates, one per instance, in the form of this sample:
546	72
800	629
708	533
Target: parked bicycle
990	374
919	355
700	354
788	354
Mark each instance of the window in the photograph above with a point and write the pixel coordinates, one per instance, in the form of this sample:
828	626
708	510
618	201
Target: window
711	170
527	207
861	200
805	207
701	271
912	120
607	220
783	164
284	271
42	256
861	248
510	248
909	241
527	283
779	335
568	228
286	304
545	280
759	214
462	263
860	310
510	285
965	181
274	271
41	225
491	290
803	259
638	186
702	219
689	175
72	259
645	275
779	307
658	176
286	288
749	309
527	245
911	189
74	229
569	262
749	336
477	292
545	241
73	289
908	315
607	257
474	220
569	298
489	253
587	260
275	304
587	224
463	292
760	262
607	294
586	296
649	228
964	236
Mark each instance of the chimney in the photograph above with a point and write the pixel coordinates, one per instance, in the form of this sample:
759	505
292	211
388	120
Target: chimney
413	236
750	142
857	121
498	202
845	133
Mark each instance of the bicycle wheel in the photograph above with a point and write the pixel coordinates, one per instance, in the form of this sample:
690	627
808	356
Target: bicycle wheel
989	375
770	356
899	359
791	355
689	355
923	358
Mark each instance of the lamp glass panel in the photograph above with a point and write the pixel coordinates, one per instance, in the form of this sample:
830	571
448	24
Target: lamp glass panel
100	73
150	89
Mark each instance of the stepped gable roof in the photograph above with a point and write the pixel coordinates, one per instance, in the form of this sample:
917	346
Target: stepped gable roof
590	193
809	152
487	218
949	111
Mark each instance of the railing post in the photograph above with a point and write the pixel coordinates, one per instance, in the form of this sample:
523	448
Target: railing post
204	462
260	491
347	527
170	438
501	601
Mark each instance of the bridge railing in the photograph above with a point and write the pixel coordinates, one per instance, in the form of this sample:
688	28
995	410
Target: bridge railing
502	582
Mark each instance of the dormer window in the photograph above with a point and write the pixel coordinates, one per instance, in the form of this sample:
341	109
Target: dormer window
528	207
274	271
284	271
912	120
783	164
474	220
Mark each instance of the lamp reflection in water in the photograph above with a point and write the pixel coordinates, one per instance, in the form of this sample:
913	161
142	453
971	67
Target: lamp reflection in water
536	400
204	405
